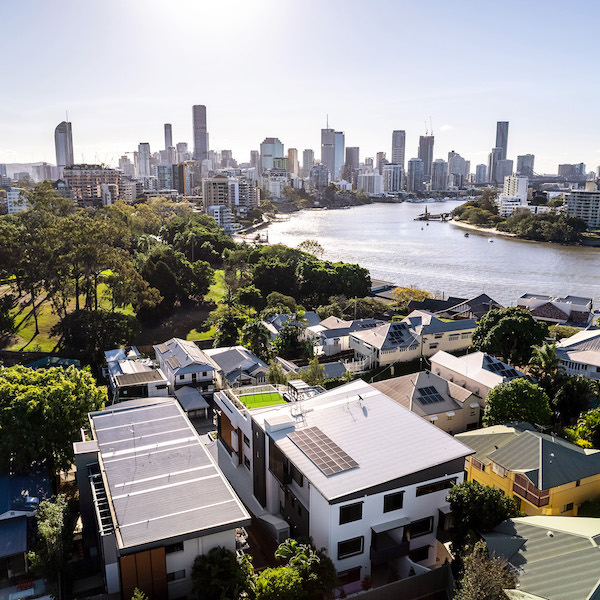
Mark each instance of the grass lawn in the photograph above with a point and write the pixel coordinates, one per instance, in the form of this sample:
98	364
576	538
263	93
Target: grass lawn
218	289
202	335
259	400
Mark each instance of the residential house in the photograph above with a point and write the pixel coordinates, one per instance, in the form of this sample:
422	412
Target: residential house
152	498
193	402
184	363
332	335
477	372
545	474
331	370
580	354
418	335
573	310
553	557
457	308
236	365
131	376
443	403
20	495
364	477
275	322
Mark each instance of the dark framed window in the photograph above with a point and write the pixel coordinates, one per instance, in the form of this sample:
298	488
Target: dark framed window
176	547
420	527
175	575
246	440
247	462
181	376
350	547
351	512
419	554
438	486
349	576
393	501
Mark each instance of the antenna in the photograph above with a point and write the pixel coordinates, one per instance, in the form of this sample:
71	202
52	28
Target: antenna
430	125
67	115
426	130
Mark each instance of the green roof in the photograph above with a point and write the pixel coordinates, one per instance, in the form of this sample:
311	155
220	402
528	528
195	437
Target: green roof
261	399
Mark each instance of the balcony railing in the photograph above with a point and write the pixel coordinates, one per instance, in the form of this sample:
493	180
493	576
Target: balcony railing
524	488
385	548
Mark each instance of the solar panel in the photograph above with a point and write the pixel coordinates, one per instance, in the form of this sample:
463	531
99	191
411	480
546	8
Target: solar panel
429	395
327	456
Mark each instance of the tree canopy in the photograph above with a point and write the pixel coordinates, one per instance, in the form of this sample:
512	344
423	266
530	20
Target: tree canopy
587	431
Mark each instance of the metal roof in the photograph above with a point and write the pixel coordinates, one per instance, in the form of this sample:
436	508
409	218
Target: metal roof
161	481
556	558
140	377
183	356
13	536
190	398
235	358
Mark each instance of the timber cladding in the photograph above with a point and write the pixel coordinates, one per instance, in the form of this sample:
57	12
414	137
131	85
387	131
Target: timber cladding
146	571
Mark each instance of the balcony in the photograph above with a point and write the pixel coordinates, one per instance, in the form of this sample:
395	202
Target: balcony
385	548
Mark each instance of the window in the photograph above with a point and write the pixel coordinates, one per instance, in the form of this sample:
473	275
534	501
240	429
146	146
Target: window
204	373
438	486
438	336
578	483
349	576
567	507
501	471
419	554
473	412
454	337
351	512
246	441
181	376
433	346
350	547
476	464
420	527
177	547
193	376
162	386
176	575
247	462
465	336
393	501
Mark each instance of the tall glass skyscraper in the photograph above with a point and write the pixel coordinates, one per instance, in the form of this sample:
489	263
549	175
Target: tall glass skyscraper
502	137
63	142
200	132
398	147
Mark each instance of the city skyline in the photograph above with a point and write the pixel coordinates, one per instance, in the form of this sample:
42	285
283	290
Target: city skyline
554	122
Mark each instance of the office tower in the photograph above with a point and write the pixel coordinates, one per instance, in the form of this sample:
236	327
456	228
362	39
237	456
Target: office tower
226	161
270	148
369	162
351	163
3	170
381	160
515	187
143	160
340	143
255	159
439	174
168	136
415	175
332	151
398	146
525	165
319	176
458	169
576	171
502	137
308	162
200	132
480	174
504	168
281	163
393	175
426	154
293	165
493	158
164	176
63	142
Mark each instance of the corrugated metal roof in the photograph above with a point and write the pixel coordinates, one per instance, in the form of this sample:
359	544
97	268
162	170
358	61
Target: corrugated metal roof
161	479
140	377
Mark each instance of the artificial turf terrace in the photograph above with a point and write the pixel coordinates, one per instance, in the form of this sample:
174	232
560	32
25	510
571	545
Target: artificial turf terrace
261	399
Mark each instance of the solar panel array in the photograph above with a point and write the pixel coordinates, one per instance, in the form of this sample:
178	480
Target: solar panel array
395	334
322	451
429	395
503	370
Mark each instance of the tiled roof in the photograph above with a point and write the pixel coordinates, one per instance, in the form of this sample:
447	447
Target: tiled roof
549	311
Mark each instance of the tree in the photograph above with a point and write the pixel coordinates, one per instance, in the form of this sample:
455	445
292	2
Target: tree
587	431
218	575
250	296
255	337
517	400
543	365
477	509
91	333
573	397
312	247
482	577
276	374
50	557
7	321
509	333
281	302
228	330
289	342
314	374
404	295
281	583
42	413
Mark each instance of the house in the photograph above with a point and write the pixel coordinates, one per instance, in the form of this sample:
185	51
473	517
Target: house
478	372
364	477
331	370
236	365
580	354
435	305
418	335
152	497
275	322
545	474
457	308
193	402
184	363
443	403
20	495
131	376
554	558
332	335
573	310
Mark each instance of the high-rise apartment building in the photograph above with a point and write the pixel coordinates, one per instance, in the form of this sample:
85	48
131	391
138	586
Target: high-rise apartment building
393	175
502	137
525	165
340	143
426	154
144	160
504	168
584	204
168	136
85	182
398	147
270	148
351	163
381	160
493	158
255	159
415	175
293	165
63	143
370	183
480	174
439	175
308	162
515	186
200	132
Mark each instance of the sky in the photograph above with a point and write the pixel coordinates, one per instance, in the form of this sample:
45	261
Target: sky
123	68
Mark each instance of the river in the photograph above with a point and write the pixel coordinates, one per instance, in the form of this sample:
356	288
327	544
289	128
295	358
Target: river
386	239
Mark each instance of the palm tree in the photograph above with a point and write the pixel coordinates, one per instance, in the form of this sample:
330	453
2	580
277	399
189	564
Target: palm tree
256	337
544	366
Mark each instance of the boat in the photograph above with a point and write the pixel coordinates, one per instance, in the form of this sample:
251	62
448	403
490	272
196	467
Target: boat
491	241
467	234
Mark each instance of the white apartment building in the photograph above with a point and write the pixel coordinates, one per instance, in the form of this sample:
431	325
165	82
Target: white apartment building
585	205
363	476
16	200
393	174
371	183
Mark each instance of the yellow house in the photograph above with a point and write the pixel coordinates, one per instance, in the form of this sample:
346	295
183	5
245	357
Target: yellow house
546	475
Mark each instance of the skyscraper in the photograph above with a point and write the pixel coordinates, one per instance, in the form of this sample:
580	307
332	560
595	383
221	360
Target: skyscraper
494	157
168	136
426	154
270	148
502	137
398	146
63	142
351	163
525	165
332	151
308	161
392	178
415	175
340	143
439	173
293	165
200	132
255	159
480	174
144	160
504	168
381	160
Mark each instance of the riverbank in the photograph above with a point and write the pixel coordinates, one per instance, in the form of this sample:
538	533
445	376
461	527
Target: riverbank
486	230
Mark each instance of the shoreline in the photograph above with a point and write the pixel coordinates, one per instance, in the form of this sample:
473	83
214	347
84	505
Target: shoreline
490	230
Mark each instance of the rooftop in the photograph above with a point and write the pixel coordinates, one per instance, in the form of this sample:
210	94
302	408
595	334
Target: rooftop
183	356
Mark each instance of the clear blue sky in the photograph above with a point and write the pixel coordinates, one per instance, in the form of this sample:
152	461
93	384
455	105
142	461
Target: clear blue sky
122	68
